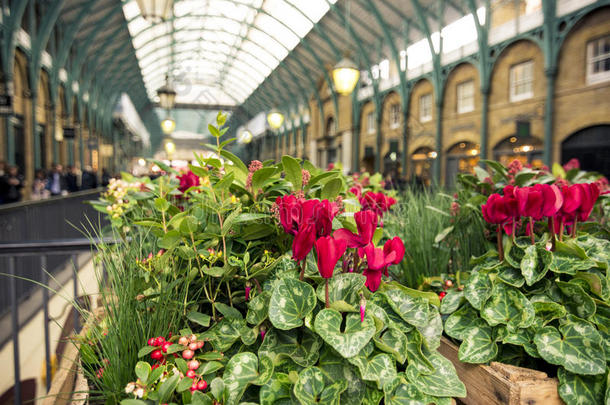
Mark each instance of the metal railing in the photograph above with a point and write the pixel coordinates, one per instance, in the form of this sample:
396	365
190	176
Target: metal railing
44	249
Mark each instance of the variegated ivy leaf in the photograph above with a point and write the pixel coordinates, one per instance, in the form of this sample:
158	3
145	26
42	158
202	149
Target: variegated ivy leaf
310	388
461	321
372	396
509	275
418	353
452	301
576	300
224	334
523	338
443	382
433	329
350	341
393	319
535	264
343	287
334	368
291	300
577	389
479	344
515	252
596	249
258	308
382	321
578	348
278	388
547	309
478	289
413	310
597	282
302	348
569	258
393	341
508	306
243	370
380	368
248	335
406	394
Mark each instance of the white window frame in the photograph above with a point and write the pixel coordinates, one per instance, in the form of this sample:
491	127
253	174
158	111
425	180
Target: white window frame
370	122
394	116
514	81
425	107
465	96
593	77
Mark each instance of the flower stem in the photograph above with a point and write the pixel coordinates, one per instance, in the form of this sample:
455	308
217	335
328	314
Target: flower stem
499	239
552	231
561	230
532	231
326	294
302	275
574	227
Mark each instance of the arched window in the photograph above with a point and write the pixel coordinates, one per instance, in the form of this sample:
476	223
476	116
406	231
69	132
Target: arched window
461	158
591	146
526	149
421	165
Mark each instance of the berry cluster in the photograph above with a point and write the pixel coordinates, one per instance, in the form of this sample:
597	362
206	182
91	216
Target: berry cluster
199	384
163	346
192	343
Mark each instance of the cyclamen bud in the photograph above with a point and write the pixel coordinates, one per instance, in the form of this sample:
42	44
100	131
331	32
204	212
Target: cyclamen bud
150	256
248	287
362	308
263	332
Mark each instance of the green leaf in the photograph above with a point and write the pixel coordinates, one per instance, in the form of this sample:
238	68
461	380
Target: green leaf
133	402
250	217
292	169
217	388
508	306
343	287
510	275
569	258
443	234
581	389
578	348
260	176
350	341
406	394
199	318
443	382
227	311
433	329
243	370
302	348
277	388
214	271
290	302
547	310
258	308
451	301
331	189
597	281
479	345
413	310
478	289
161	204
184	384
380	368
462	320
199	398
214	131
393	341
310	388
146	350
236	161
142	370
167	388
532	269
418	353
576	300
523	338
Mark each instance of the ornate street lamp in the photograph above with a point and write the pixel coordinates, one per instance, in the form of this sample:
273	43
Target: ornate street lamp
155	10
167	95
245	137
168	125
345	76
275	119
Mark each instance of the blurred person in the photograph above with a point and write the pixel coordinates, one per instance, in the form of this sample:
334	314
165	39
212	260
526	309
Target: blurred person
39	186
56	181
72	179
105	177
11	185
88	179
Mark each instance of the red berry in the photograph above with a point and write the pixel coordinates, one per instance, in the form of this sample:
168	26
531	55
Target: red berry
156	355
188	354
154	366
160	341
184	341
449	283
194	386
202	385
193	346
191	374
152	341
193	389
200	344
442	294
193	338
165	346
193	365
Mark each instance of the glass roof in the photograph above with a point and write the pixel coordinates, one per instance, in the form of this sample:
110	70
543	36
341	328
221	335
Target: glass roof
219	51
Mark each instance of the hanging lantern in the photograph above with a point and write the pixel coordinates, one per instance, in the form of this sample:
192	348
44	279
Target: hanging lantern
167	95
275	119
168	125
155	10
170	147
345	76
245	137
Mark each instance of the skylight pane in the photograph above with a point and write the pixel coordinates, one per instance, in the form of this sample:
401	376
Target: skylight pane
277	30
290	15
267	42
314	9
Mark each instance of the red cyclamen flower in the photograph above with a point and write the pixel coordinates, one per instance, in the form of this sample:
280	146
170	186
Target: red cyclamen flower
366	222
188	180
329	252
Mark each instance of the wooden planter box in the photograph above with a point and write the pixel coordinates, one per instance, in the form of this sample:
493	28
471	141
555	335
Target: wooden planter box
69	386
502	384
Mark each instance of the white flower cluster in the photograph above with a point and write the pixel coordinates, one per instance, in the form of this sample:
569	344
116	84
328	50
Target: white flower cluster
116	196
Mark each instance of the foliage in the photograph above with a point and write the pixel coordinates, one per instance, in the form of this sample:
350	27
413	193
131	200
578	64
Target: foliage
261	319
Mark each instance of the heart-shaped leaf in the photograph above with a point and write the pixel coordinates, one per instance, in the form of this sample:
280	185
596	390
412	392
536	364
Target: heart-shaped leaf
418	353
547	309
443	382
597	281
302	348
478	289
576	300
433	329
243	370
461	321
310	388
290	302
508	306
535	264
581	389
578	347
452	301
509	275
523	338
393	341
258	308
413	310
479	345
380	368
278	388
350	341
569	258
343	287
406	394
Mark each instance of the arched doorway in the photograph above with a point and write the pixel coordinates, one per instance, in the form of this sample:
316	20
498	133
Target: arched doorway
461	158
526	149
421	165
591	146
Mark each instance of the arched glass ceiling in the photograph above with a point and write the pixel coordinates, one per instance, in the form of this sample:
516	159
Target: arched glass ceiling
219	51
